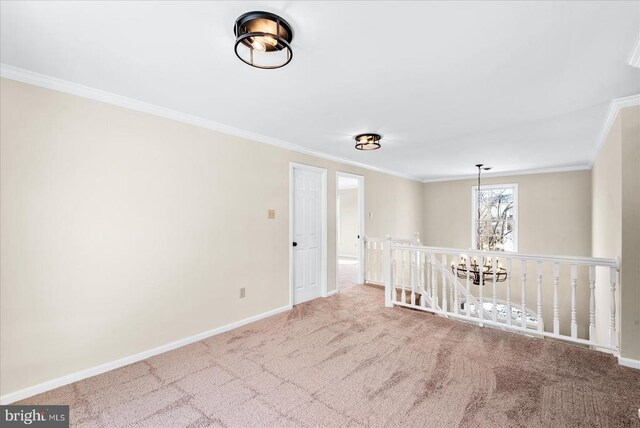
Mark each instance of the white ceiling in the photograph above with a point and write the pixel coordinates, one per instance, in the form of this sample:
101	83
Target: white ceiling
517	85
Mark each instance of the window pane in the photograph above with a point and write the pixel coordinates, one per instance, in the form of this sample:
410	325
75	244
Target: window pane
495	219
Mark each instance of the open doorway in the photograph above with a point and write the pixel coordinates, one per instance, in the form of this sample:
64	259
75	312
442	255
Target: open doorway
349	229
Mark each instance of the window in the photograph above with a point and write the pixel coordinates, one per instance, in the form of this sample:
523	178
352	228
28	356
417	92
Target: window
495	218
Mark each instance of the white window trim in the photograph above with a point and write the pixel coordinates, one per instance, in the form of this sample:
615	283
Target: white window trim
474	210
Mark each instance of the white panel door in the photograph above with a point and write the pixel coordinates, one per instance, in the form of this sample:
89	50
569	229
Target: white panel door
307	235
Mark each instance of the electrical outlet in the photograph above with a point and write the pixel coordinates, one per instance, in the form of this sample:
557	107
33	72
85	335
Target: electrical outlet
242	293
271	214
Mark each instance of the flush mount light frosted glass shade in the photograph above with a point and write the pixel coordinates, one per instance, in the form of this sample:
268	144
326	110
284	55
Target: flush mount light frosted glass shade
263	40
368	141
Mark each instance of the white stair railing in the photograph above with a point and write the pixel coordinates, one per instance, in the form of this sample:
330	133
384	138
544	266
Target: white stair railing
460	288
374	256
569	292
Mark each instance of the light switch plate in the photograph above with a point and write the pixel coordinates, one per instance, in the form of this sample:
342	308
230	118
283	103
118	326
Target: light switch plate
271	214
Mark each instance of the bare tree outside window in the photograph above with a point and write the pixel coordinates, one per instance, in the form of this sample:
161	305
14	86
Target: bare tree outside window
495	217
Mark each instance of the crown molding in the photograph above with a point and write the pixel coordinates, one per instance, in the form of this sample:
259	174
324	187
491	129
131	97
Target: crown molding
60	85
614	108
583	167
634	59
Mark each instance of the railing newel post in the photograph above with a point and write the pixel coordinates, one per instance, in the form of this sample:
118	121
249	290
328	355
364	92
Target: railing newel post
388	284
613	336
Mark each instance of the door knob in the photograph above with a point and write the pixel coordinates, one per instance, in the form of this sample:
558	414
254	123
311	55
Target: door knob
295	244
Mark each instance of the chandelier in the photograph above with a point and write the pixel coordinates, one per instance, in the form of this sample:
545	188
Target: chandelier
480	273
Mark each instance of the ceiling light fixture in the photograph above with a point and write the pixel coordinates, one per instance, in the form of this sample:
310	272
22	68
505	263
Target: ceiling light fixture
368	141
263	40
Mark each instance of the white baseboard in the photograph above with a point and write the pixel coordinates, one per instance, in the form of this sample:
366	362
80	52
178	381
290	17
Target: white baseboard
331	293
102	368
629	362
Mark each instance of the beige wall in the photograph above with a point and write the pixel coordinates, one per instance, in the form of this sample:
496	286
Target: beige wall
606	228
122	231
616	223
554	212
554	217
348	222
630	267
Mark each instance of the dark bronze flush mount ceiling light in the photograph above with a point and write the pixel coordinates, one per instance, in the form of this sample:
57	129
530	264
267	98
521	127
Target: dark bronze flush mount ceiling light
368	141
263	40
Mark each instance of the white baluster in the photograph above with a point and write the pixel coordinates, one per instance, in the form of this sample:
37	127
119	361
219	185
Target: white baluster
374	271
509	313
494	305
556	310
539	288
402	281
467	264
574	286
434	282
456	302
379	258
427	274
374	255
395	276
481	293
613	336
424	277
379	261
372	265
523	292
412	257
367	261
367	264
592	303
444	282
388	273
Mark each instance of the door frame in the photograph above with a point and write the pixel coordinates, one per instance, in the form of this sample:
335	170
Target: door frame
361	229
323	222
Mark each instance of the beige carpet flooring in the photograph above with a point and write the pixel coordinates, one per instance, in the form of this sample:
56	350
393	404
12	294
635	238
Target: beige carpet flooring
348	361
